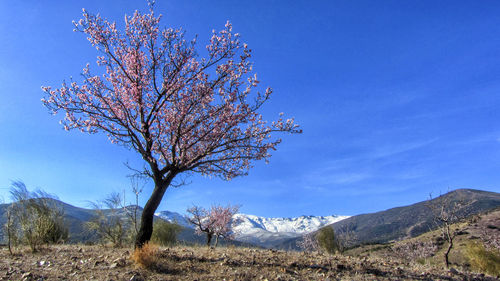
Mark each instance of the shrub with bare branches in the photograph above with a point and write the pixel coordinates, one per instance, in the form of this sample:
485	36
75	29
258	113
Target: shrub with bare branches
35	217
414	250
346	237
308	243
446	213
108	223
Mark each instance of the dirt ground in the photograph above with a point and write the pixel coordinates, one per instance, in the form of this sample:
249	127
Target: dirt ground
78	262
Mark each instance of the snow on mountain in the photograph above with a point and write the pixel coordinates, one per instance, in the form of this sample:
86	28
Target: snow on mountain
246	224
268	232
263	231
174	217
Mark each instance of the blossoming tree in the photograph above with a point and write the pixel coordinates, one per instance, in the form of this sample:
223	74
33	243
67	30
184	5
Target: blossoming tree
183	113
217	221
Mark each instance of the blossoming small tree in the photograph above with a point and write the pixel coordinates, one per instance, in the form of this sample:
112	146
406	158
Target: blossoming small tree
217	221
181	112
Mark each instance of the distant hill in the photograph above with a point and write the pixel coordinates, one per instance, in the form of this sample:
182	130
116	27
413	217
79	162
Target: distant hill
75	218
283	233
408	221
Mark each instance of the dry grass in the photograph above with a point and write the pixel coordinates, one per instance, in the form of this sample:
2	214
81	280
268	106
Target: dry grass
146	257
468	253
77	262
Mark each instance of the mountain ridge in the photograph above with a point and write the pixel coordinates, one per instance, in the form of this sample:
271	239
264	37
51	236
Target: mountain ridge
263	231
407	221
379	227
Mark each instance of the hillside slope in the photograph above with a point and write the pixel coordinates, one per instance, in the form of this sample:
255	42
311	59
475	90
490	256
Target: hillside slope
408	221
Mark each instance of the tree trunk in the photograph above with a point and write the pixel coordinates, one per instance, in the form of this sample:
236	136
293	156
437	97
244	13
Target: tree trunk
146	228
209	238
9	229
446	255
216	240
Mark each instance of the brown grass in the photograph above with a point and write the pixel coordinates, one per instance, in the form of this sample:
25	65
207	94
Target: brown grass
80	262
146	257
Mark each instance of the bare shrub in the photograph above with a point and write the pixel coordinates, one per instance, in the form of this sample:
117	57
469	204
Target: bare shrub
346	237
108	224
10	228
132	211
491	238
38	219
414	250
308	243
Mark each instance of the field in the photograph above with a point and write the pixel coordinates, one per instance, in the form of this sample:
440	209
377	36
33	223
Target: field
81	262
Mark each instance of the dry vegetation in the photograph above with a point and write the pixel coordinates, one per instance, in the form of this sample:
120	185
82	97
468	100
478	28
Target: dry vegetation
75	262
475	256
477	247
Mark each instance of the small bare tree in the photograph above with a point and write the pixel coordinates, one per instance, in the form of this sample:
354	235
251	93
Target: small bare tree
132	211
446	212
346	237
308	243
108	223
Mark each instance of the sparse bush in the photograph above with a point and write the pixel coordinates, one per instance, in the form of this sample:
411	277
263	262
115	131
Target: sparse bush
165	233
326	239
108	224
132	211
11	228
146	256
345	237
414	251
491	238
308	243
38	220
482	259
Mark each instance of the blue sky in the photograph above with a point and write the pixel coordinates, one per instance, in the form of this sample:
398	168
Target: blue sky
397	99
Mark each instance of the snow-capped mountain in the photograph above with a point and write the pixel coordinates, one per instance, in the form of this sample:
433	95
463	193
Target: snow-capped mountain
268	232
300	225
265	231
174	217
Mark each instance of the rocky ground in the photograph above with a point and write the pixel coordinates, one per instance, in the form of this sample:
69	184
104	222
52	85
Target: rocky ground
77	262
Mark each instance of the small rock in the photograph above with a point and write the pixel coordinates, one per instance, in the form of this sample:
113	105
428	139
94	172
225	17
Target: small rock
453	271
120	261
113	265
136	277
27	276
41	263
